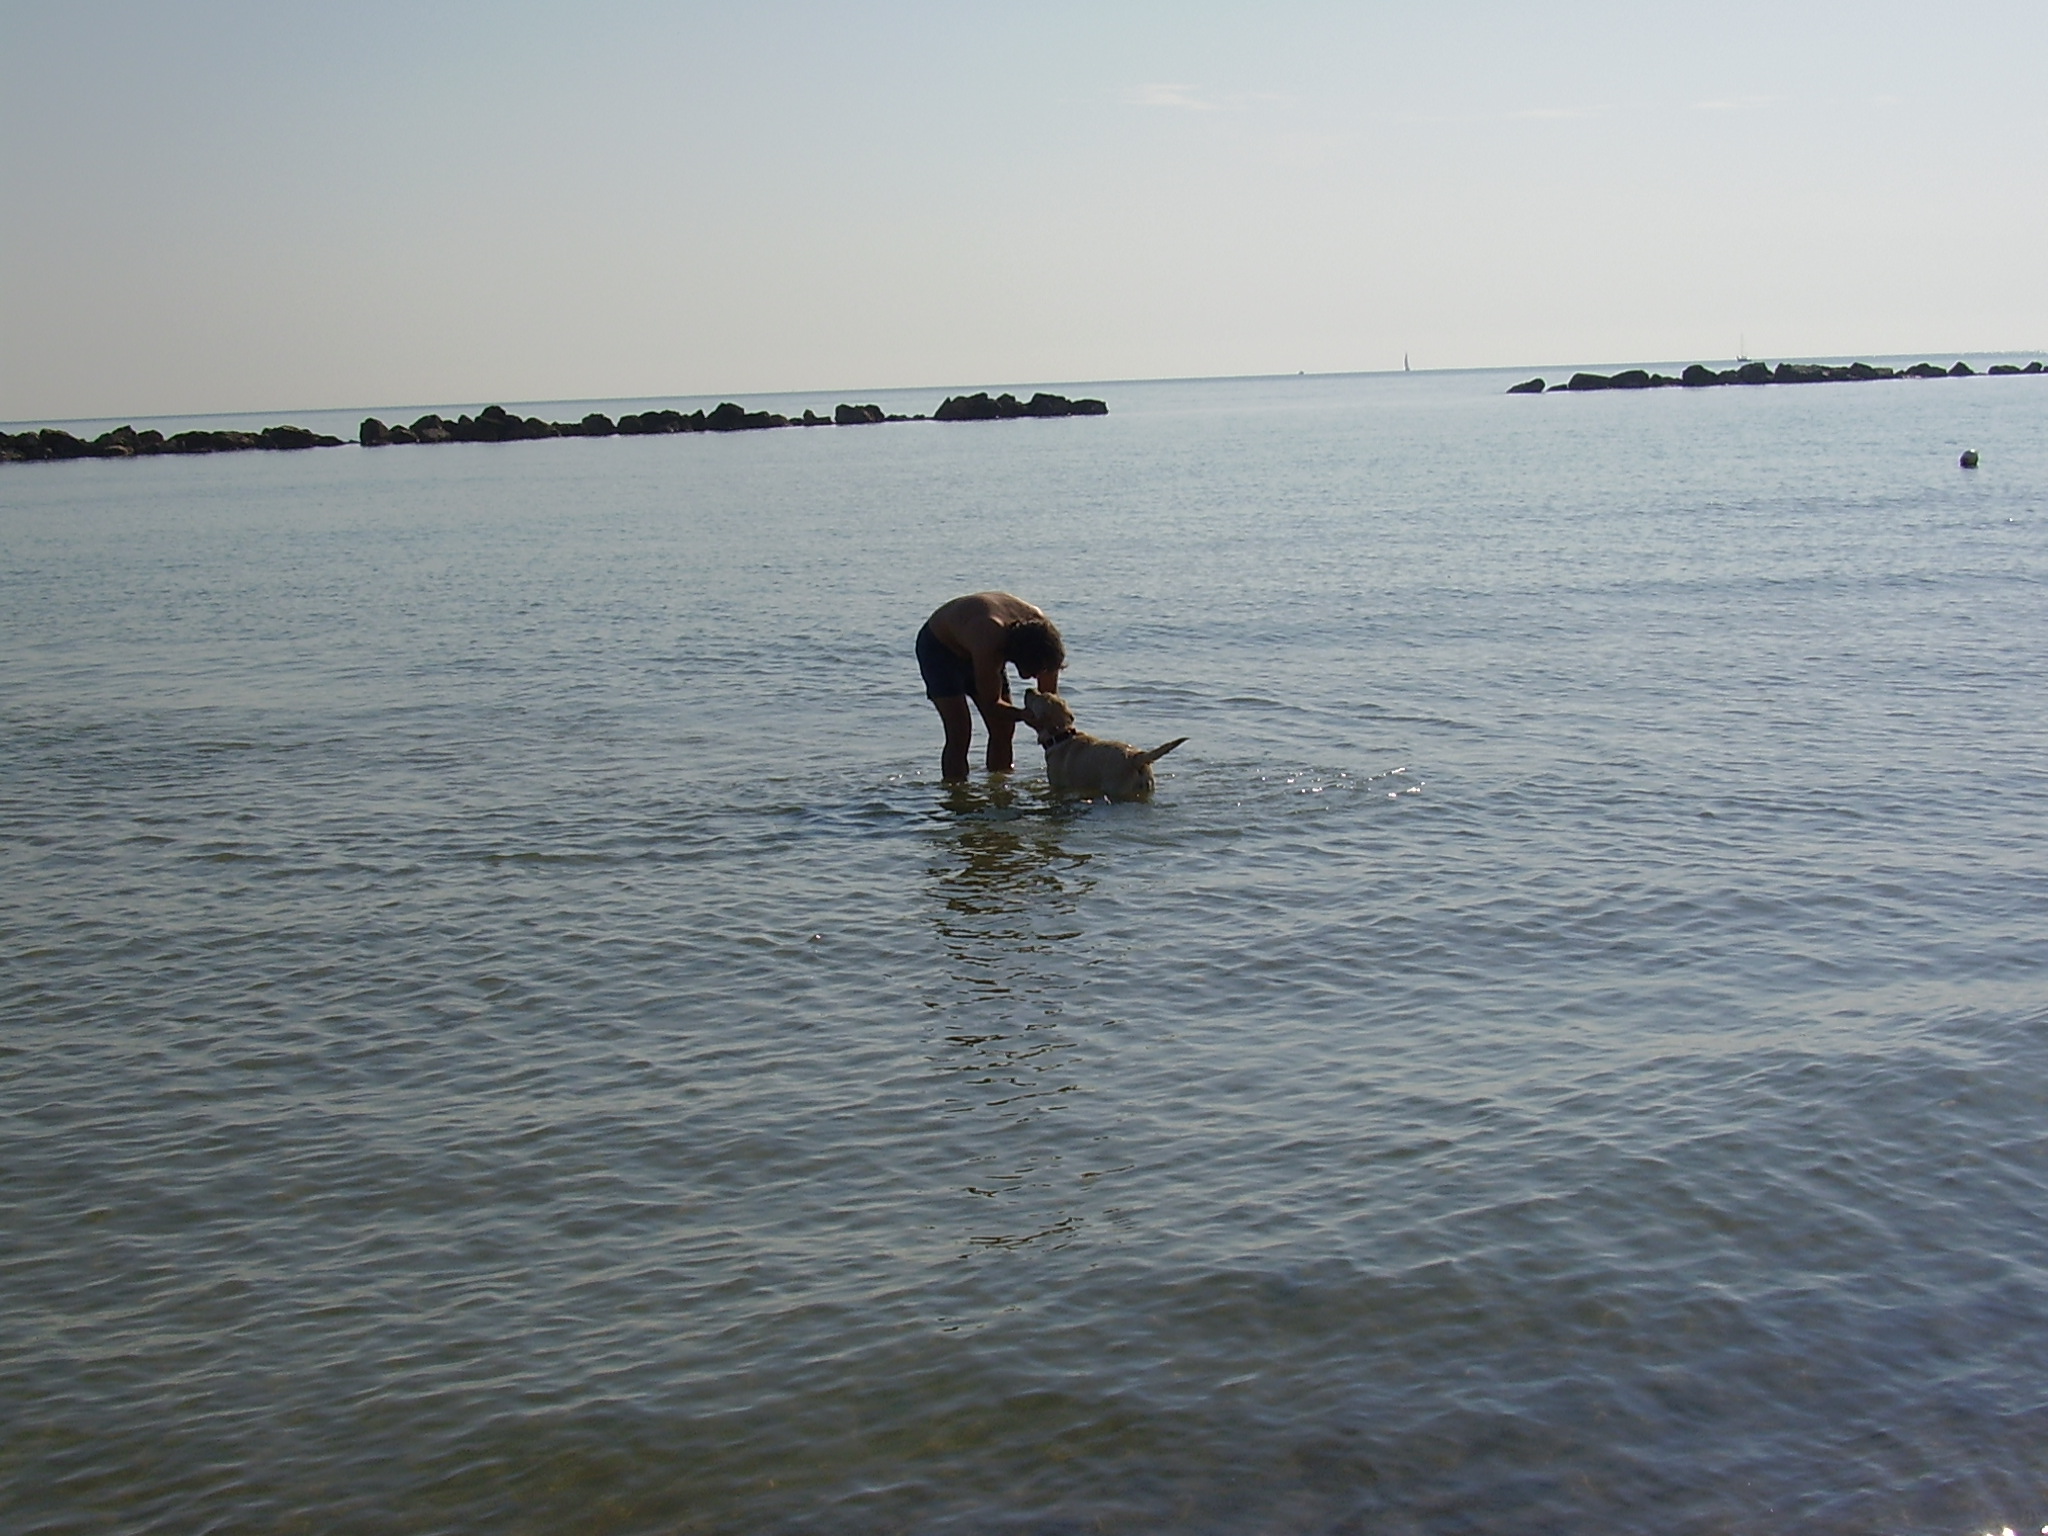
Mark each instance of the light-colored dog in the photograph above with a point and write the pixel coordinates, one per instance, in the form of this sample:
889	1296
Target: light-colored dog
1080	764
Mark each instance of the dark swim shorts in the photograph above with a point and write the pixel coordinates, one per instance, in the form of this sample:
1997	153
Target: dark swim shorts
946	676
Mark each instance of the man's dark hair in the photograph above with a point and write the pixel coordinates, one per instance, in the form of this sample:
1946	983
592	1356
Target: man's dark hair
1034	646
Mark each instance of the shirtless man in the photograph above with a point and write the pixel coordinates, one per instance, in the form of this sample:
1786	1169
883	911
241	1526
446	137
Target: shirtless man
964	651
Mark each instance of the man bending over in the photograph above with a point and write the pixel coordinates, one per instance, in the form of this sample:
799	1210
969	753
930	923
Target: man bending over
964	650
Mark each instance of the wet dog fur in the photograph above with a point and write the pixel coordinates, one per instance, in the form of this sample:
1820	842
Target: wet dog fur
1079	764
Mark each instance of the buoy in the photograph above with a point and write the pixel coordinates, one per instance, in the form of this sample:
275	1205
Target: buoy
1969	458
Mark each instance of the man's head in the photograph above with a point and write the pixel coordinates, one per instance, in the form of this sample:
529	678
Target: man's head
1033	647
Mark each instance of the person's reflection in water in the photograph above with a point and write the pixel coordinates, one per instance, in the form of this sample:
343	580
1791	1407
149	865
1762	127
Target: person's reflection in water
1006	896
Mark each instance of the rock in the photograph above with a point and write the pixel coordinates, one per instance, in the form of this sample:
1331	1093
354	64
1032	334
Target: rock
1962	371
292	438
966	408
1699	377
210	442
2003	368
493	424
1527	387
1007	407
857	415
1926	371
2033	367
1629	378
1969	458
661	421
1589	381
373	433
596	424
1752	373
59	444
126	442
728	417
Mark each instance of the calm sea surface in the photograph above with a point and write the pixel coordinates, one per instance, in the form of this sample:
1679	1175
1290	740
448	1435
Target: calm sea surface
505	1031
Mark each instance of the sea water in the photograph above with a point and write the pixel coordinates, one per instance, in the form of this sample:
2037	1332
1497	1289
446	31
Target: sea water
505	1029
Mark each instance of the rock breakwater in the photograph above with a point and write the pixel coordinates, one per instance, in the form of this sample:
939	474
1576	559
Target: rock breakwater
127	443
1699	376
495	424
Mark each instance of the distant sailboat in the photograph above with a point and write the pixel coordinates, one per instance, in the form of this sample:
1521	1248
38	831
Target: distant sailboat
1404	362
1742	350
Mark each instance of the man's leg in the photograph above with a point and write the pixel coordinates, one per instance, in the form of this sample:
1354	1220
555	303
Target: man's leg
959	736
1000	731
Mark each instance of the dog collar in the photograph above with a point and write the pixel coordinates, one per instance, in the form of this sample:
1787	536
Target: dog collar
1067	735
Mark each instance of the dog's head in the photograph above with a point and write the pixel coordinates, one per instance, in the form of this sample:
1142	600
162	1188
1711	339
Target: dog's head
1048	714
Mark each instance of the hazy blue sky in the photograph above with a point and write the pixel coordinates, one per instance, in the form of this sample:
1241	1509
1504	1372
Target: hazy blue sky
221	206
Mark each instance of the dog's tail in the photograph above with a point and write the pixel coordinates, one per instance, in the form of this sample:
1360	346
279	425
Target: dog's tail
1158	752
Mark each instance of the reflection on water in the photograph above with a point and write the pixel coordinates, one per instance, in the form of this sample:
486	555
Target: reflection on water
1005	893
1000	852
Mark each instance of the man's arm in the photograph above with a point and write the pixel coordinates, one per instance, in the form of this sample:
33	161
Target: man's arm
988	683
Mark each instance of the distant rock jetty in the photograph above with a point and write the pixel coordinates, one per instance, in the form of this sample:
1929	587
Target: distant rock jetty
127	443
495	424
1699	376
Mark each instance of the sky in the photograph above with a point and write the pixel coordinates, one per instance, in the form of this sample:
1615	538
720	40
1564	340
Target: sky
225	207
